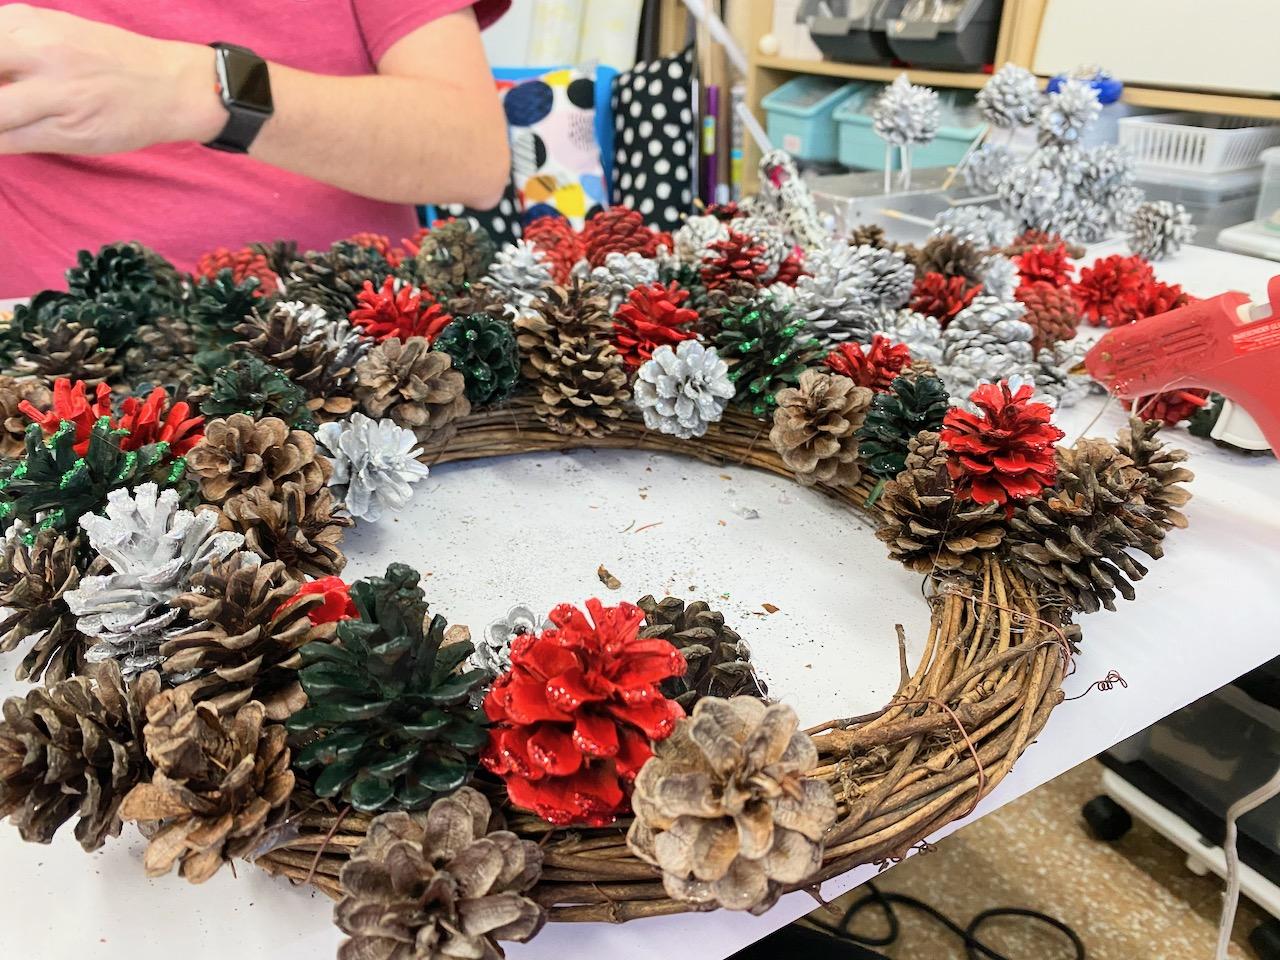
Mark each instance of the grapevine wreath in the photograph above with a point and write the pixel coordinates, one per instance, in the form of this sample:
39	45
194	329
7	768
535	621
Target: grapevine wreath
184	453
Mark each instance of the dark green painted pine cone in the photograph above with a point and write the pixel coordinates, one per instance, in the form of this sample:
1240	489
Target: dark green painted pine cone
483	348
912	405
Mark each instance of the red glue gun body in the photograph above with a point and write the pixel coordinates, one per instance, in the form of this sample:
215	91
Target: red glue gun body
1227	344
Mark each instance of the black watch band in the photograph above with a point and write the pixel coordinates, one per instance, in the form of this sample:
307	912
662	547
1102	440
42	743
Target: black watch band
244	85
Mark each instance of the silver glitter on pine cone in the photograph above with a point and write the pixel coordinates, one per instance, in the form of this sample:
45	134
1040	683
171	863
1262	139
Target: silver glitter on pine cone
520	273
1011	98
493	650
922	334
846	285
1159	228
154	548
1068	113
344	344
987	166
905	114
623	272
987	340
985	227
1105	169
682	391
1000	277
375	464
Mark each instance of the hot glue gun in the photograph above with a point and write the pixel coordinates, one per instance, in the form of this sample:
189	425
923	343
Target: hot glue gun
1227	344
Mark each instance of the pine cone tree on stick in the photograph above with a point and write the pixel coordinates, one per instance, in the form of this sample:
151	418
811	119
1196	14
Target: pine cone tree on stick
414	385
718	661
815	428
301	530
911	406
221	782
13	423
74	749
240	453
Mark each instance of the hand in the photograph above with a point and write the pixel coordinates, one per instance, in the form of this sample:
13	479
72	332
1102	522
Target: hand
74	86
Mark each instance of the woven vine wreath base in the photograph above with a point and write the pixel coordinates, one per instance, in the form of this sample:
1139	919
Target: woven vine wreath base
991	673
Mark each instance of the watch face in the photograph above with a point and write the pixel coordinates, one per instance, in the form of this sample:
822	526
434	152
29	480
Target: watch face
245	79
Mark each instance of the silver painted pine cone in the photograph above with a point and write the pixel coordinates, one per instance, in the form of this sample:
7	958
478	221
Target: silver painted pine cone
682	391
375	464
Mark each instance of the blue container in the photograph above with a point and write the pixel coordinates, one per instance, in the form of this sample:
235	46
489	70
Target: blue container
801	115
860	146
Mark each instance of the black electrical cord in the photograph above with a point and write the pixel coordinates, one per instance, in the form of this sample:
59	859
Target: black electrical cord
975	949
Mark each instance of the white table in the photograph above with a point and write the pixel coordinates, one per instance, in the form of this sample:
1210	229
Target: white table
535	528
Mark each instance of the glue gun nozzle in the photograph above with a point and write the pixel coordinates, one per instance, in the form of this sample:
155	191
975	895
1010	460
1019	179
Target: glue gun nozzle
1079	370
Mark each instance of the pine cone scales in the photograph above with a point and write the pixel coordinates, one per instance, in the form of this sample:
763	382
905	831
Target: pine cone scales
301	530
452	255
926	528
73	749
67	350
952	256
439	885
815	428
283	337
220	783
725	810
414	385
718	661
240	453
1051	312
1162	474
13	423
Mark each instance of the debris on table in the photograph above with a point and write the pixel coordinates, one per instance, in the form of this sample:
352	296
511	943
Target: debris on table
608	579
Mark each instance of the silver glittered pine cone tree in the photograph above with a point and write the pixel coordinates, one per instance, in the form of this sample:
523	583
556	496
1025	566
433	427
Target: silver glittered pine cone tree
1000	277
1052	376
987	166
694	237
1159	228
845	286
1105	169
520	273
922	334
1033	194
154	548
1011	98
987	340
493	649
623	272
785	197
985	227
682	391
905	114
375	464
1068	112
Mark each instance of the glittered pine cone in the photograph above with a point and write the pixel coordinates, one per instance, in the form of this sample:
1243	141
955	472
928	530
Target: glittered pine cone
248	624
617	230
67	350
442	884
240	453
718	661
414	385
815	428
952	256
454	254
220	783
301	530
926	529
725	810
1051	311
13	423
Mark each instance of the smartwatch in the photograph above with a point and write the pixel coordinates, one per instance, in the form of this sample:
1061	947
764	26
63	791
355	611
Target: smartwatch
244	85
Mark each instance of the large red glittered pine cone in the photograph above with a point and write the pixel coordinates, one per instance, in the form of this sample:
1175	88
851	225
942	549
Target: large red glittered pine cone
148	421
1040	264
1051	311
874	366
942	297
737	258
243	263
407	312
575	715
651	317
1111	291
559	243
1005	451
618	230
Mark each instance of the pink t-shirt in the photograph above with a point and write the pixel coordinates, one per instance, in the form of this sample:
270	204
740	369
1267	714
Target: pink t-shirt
183	199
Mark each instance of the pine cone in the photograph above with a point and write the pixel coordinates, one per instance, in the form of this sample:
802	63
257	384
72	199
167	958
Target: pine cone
1159	228
520	273
927	529
374	464
68	350
952	256
868	235
910	406
301	530
73	749
652	316
128	274
493	649
718	661
414	386
245	262
483	349
617	230
815	428
13	423
1162	472
766	350
1051	311
333	279
739	259
240	453
1038	238
453	254
399	310
942	297
164	356
221	783
389	722
725	810
556	240
248	624
256	389
875	365
439	885
683	391
218	306
34	580
285	337
1074	541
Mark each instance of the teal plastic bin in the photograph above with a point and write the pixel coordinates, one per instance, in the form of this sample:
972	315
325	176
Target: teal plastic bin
801	115
858	145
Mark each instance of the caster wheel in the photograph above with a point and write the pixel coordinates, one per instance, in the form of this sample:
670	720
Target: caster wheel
1265	940
1107	820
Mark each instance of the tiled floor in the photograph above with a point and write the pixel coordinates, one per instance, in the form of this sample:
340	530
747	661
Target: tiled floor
1134	900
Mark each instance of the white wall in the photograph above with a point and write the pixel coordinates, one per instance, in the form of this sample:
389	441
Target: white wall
508	39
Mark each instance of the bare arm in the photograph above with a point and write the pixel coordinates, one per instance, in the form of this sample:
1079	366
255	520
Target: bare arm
426	129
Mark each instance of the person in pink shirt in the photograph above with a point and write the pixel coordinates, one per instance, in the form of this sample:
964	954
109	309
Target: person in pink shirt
331	117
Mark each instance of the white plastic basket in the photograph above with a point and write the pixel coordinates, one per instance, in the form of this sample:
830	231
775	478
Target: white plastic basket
1197	142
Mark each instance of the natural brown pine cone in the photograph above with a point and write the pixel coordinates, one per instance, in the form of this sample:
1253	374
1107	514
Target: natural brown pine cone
1052	312
454	254
248	629
1162	474
925	527
162	355
444	884
300	530
414	385
34	579
280	337
478	298
868	235
13	422
815	428
719	661
724	809
240	453
74	749
220	783
67	350
951	256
